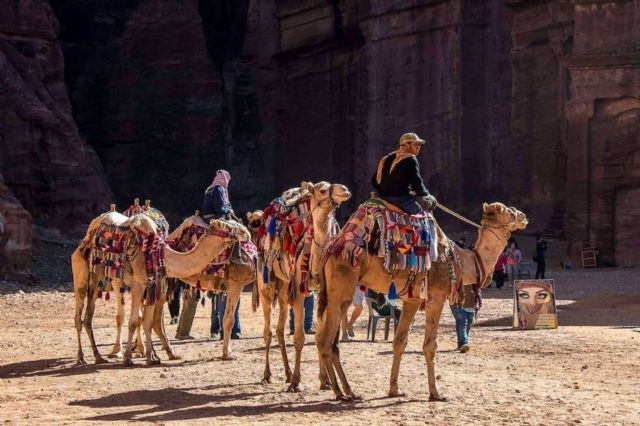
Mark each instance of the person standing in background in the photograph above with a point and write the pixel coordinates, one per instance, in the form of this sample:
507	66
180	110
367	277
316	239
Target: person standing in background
358	302
514	256
498	270
308	316
541	248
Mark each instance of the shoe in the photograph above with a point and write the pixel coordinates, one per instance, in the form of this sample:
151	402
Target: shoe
235	336
187	337
464	349
214	335
350	332
310	331
345	337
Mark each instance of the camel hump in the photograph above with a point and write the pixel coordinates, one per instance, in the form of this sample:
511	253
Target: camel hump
295	196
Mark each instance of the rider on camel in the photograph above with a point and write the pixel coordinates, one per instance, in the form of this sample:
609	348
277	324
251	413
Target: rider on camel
398	181
216	203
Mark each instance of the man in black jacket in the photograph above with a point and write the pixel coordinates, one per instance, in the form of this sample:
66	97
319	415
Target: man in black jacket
398	179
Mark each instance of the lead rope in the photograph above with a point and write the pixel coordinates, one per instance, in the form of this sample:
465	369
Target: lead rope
456	215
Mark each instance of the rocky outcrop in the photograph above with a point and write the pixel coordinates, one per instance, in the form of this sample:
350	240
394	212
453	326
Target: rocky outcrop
15	233
47	165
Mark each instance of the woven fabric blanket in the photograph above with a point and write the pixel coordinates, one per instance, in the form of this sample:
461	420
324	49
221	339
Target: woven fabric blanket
405	242
108	251
189	237
152	213
287	228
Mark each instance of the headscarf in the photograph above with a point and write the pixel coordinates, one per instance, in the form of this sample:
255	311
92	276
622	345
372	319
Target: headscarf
400	155
222	179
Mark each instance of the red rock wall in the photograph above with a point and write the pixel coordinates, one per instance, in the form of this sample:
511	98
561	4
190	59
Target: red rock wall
48	166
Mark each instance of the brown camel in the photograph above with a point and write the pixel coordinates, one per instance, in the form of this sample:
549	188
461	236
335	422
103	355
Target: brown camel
220	235
339	279
324	199
237	276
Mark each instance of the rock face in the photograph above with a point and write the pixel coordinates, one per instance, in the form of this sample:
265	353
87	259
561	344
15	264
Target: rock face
15	233
583	60
165	96
536	104
46	164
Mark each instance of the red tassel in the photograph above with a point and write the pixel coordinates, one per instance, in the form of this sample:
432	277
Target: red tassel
99	294
423	306
198	285
107	296
363	289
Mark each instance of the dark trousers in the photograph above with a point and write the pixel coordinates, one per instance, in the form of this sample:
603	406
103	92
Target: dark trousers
498	277
540	270
174	305
218	308
406	204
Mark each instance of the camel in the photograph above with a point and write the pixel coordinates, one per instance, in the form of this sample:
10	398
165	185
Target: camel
324	199
237	277
338	283
220	234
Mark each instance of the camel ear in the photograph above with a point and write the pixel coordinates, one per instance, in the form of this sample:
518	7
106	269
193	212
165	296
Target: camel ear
248	215
307	186
485	206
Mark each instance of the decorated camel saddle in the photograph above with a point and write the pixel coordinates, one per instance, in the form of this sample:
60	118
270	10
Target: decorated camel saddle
285	238
185	237
112	239
405	242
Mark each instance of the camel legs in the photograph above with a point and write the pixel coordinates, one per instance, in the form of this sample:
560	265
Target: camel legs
326	342
81	294
267	296
88	324
400	343
298	340
147	324
158	327
233	294
282	319
117	346
433	311
134	321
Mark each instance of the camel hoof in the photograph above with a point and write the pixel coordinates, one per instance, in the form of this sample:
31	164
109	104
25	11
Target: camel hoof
437	398
127	362
153	361
343	398
396	394
174	357
138	355
294	387
100	360
325	386
354	397
115	355
81	361
266	380
228	357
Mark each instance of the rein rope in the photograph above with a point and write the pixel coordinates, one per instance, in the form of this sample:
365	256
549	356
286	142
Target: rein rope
457	215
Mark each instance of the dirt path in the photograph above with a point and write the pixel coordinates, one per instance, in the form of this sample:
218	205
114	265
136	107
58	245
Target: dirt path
587	371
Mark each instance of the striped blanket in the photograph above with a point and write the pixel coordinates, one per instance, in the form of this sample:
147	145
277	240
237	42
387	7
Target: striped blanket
405	242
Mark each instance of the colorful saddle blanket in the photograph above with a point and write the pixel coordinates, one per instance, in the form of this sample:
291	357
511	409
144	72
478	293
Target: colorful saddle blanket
190	236
152	213
287	228
405	242
109	250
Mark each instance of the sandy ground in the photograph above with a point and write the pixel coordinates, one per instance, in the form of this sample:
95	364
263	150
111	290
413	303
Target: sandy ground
587	371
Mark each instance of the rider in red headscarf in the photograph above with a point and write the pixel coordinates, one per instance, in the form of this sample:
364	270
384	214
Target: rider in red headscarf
216	197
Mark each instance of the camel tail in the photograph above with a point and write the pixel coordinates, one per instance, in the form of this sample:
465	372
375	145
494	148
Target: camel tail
322	294
255	297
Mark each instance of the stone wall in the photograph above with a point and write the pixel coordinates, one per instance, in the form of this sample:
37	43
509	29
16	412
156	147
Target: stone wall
47	165
15	233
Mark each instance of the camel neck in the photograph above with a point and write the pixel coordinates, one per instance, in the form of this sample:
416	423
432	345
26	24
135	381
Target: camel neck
491	242
194	261
321	226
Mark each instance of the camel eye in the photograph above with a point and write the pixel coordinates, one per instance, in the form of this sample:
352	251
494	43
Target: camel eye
323	191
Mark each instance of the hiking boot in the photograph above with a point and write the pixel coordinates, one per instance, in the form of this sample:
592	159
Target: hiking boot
345	337
350	331
464	349
235	336
310	331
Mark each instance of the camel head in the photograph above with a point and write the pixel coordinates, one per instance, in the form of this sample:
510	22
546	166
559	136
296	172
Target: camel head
235	230
143	223
254	219
497	215
325	195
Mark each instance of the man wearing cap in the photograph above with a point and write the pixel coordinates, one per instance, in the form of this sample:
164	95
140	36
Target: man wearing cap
398	181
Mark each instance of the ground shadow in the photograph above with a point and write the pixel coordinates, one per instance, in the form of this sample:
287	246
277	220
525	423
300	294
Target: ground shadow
179	404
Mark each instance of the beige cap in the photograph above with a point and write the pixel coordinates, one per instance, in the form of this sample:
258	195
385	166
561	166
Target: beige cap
410	137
